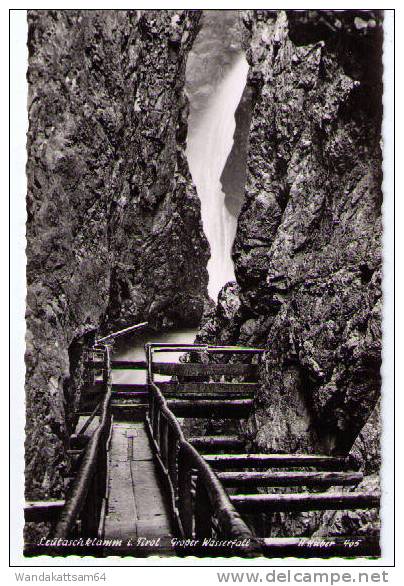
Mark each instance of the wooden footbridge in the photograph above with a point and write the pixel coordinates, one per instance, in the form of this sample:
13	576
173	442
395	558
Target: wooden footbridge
145	484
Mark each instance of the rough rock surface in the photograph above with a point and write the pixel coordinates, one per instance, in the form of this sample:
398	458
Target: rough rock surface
233	178
307	252
310	227
114	233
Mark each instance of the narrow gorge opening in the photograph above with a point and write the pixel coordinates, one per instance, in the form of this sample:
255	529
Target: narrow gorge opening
216	79
218	127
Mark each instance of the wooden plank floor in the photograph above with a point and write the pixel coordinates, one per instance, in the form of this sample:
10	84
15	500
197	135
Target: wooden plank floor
137	513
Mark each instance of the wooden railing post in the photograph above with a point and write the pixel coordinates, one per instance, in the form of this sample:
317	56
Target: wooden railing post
106	368
152	400
185	505
149	380
172	449
203	511
163	440
156	421
83	505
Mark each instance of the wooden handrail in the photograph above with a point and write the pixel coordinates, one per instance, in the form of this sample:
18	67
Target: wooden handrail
121	333
93	463
230	522
212	349
179	462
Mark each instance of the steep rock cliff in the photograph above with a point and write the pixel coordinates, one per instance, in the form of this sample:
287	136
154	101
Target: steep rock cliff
212	55
307	252
310	226
233	178
114	233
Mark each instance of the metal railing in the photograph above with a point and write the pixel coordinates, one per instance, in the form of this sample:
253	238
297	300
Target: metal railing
200	506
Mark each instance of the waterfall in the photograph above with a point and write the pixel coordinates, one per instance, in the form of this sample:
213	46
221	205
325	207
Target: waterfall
208	147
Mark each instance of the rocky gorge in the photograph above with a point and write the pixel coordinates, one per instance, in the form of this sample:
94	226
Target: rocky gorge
115	234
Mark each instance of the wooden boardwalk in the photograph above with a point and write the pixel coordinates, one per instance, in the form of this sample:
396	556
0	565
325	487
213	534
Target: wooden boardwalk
141	479
137	513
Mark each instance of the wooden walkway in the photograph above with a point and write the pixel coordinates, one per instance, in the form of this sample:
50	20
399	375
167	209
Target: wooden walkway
137	513
142	478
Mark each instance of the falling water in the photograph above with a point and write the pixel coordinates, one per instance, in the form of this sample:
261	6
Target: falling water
208	147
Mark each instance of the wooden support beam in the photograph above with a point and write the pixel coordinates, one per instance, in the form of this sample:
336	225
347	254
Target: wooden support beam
130	395
75	453
128	365
173	394
78	442
171	389
119	403
223	461
272	503
219	442
198	369
129	411
96	387
201	408
99	386
43	511
290	478
123	391
133	400
320	547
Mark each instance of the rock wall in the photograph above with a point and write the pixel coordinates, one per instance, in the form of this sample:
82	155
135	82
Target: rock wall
310	227
114	234
307	252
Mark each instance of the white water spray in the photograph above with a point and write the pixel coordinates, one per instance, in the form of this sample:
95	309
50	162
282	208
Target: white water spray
207	150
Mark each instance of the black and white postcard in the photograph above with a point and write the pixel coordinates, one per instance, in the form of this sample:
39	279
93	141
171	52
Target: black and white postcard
207	354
